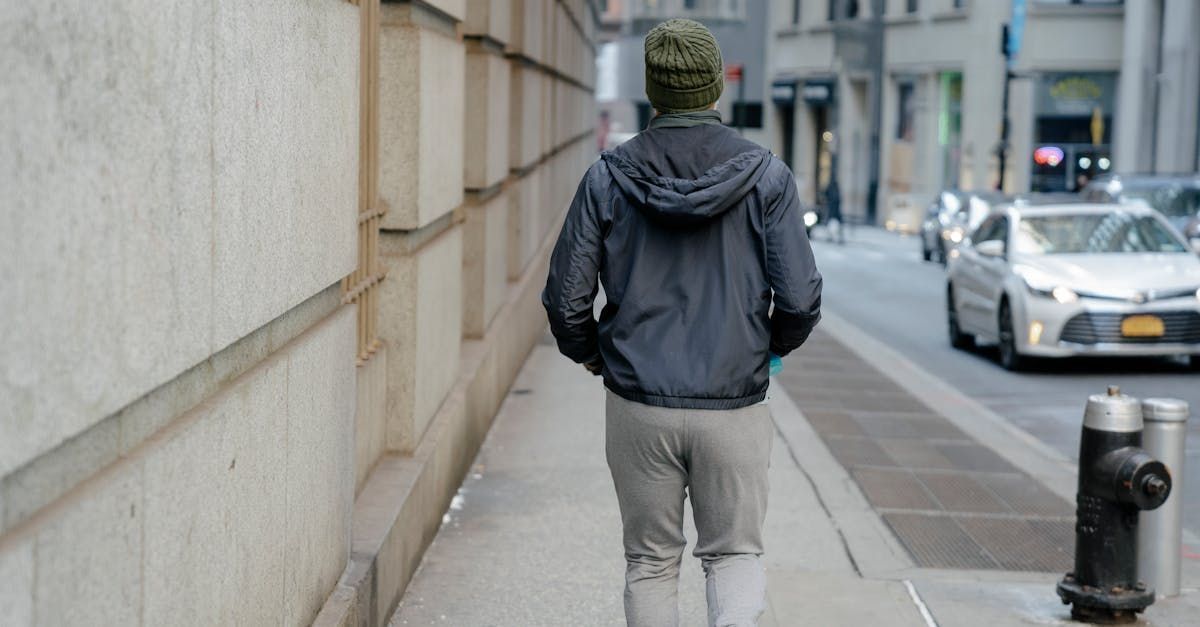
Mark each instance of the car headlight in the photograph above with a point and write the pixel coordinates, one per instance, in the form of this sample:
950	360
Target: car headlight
955	235
1064	295
1041	284
810	218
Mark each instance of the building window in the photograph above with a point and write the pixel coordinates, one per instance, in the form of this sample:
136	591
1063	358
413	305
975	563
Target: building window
905	114
910	6
1072	130
959	4
1103	2
689	4
795	11
843	10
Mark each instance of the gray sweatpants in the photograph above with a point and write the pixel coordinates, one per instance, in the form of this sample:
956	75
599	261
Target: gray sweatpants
720	458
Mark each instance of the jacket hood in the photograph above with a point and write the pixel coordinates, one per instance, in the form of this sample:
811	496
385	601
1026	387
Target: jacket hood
688	202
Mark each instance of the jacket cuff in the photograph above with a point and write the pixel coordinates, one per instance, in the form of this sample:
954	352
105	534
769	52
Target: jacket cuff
789	331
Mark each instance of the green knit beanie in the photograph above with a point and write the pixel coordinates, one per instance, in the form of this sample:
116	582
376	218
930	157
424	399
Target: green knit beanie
684	71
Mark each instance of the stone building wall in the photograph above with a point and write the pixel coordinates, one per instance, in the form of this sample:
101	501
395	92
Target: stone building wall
270	268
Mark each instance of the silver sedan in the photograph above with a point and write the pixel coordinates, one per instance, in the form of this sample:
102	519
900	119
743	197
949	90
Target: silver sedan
1067	280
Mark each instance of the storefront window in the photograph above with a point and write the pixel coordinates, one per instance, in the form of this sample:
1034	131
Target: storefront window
1072	130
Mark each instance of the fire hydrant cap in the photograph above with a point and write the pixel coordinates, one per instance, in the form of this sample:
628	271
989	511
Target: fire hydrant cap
1165	410
1113	412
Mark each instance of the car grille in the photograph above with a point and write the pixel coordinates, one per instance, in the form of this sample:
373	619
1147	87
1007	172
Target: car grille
1181	327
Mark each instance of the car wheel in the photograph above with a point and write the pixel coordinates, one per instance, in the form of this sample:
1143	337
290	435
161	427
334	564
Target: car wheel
958	339
1010	357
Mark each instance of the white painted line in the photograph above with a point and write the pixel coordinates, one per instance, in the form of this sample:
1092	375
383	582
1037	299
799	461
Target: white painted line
916	599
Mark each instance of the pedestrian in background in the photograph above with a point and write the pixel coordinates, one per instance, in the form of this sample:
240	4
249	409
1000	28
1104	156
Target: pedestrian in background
602	129
833	208
694	233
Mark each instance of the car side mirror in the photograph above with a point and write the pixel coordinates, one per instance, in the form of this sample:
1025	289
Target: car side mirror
991	248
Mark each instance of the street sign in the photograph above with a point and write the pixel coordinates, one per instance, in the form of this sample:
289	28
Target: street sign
733	73
1016	31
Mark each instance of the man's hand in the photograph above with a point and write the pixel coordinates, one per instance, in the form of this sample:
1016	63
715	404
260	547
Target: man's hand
595	366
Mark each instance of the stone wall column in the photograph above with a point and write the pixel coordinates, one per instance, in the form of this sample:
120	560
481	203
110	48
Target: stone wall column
422	75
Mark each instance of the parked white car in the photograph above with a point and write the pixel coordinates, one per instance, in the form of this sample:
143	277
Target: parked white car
1075	279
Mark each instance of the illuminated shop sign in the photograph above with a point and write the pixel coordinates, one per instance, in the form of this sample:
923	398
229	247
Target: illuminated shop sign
1076	93
1048	155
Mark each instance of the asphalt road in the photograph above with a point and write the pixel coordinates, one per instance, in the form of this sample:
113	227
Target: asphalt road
878	282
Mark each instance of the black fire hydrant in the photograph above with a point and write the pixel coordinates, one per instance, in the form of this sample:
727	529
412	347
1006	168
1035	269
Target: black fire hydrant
1117	479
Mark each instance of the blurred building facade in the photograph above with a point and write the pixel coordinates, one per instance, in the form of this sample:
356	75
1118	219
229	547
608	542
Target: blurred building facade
738	26
1097	85
270	269
1158	102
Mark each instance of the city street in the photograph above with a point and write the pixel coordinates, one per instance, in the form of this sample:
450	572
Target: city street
878	282
296	312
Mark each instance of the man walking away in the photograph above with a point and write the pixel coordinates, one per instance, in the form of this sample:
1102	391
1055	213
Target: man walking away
833	203
691	229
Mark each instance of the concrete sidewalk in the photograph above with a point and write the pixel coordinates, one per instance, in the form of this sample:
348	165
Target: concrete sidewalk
533	537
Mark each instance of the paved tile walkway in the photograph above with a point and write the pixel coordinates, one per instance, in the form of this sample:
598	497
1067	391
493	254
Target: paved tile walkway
950	501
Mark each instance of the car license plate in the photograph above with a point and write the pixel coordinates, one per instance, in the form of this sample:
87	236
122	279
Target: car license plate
1143	326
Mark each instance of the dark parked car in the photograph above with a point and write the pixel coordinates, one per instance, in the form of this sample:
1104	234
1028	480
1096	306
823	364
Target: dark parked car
951	216
1177	197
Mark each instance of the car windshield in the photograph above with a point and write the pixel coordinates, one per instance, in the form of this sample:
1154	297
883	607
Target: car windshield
1115	232
1172	200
